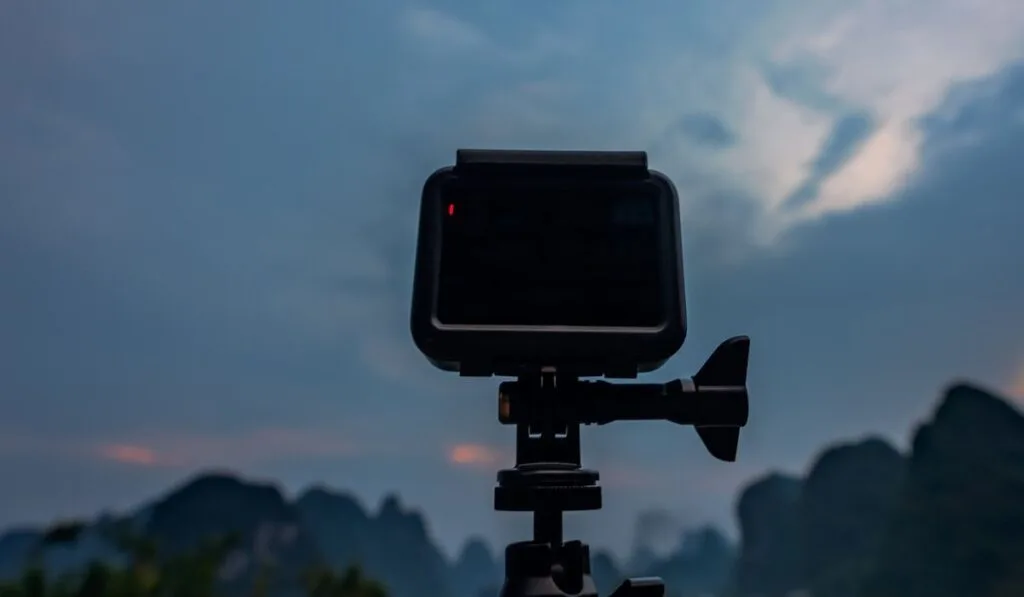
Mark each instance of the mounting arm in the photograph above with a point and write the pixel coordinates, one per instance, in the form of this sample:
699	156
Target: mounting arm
714	401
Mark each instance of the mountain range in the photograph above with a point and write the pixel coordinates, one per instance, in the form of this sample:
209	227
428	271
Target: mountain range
944	519
324	526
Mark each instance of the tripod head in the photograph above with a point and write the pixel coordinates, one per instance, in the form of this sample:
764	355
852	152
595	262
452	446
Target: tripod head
548	478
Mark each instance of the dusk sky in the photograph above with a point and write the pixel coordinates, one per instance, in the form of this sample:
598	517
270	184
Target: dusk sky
208	212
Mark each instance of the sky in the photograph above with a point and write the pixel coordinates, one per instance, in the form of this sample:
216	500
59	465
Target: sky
208	213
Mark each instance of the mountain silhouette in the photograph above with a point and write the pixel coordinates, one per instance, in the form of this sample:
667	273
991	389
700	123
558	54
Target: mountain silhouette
959	529
476	568
947	519
15	545
701	565
269	530
770	562
393	546
606	571
324	526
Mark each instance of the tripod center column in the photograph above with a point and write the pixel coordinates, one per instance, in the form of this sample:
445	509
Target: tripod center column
547	526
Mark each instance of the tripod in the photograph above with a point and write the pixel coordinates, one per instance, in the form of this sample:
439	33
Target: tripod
548	478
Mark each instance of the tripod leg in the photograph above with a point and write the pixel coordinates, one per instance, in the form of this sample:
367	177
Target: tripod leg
649	586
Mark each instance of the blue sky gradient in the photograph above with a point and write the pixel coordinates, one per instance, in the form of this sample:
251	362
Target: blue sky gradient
207	217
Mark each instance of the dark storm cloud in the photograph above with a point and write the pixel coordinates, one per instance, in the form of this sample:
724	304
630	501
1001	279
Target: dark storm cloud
847	136
802	81
705	129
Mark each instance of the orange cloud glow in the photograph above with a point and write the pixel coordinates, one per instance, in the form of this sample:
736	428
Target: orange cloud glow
472	455
129	454
239	449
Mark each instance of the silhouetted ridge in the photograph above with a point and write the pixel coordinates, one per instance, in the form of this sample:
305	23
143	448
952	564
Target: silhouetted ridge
394	545
972	411
393	515
847	502
15	546
843	454
943	521
339	525
216	504
700	565
475	551
959	529
268	530
771	557
476	568
605	571
818	533
340	508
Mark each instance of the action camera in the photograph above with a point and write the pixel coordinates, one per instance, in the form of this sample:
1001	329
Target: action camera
531	261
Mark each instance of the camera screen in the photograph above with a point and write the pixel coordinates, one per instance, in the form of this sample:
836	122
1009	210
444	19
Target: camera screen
551	257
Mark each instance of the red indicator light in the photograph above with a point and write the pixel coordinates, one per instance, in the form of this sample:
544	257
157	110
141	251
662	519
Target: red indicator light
451	209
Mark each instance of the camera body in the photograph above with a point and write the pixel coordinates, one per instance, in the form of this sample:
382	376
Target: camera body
531	261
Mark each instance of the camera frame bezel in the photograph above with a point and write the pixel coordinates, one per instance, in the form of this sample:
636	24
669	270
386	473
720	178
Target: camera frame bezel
514	351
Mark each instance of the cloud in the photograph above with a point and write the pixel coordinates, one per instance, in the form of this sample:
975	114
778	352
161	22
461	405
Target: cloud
848	135
787	73
231	450
706	129
474	455
802	80
889	280
442	31
134	455
444	34
916	49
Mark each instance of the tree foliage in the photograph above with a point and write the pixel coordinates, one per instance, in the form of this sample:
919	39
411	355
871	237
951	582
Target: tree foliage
145	572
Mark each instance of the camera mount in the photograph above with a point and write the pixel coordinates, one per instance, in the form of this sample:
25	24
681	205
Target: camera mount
550	267
548	478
